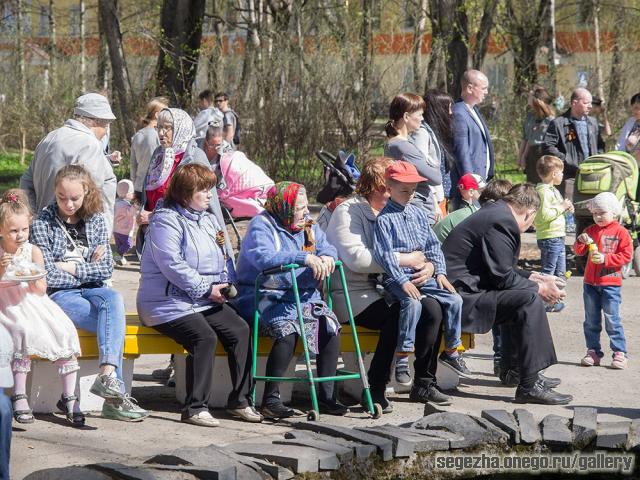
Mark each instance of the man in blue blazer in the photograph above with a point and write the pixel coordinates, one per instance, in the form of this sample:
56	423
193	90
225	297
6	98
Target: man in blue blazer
472	148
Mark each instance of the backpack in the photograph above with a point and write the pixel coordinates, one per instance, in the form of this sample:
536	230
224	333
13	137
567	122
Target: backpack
237	130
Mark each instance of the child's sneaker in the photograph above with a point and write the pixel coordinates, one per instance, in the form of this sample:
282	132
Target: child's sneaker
619	361
591	359
455	364
555	307
403	377
125	409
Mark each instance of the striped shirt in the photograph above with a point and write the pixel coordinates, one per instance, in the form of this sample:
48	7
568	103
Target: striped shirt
405	229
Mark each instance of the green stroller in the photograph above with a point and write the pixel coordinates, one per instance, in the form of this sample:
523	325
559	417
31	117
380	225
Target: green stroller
375	410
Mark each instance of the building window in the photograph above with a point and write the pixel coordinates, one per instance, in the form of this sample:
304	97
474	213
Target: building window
43	22
74	20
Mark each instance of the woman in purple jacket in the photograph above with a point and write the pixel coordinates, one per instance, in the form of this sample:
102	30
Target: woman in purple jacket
184	285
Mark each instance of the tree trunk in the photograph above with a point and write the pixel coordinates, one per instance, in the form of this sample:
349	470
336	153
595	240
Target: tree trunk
616	79
215	74
83	53
482	37
457	50
52	46
600	88
102	72
417	44
108	10
181	25
22	74
441	16
553	69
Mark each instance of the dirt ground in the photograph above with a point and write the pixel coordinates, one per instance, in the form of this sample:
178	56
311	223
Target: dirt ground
49	442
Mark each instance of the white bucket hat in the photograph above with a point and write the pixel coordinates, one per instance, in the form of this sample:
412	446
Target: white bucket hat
93	105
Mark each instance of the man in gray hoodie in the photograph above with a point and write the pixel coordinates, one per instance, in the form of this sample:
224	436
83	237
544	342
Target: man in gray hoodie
76	142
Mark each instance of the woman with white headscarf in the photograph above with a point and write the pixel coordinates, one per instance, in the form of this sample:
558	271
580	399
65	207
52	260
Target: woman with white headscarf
176	133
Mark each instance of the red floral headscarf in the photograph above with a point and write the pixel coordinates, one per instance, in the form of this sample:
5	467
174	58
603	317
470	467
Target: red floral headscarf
281	204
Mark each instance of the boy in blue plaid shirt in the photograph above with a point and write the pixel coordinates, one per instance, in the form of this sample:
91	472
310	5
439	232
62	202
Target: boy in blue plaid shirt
404	228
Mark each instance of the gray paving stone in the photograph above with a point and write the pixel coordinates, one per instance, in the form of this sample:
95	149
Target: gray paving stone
201	473
361	450
476	431
384	445
612	435
68	473
276	471
633	440
584	426
529	428
212	456
453	440
298	459
505	421
344	454
406	441
128	472
555	432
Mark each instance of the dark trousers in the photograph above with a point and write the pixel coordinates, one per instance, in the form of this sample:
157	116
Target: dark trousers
529	332
282	353
6	416
198	333
380	316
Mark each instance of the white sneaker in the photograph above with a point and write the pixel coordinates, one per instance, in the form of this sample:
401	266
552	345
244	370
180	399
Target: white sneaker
202	419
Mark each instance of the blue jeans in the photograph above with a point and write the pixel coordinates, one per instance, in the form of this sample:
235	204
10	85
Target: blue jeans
553	256
410	310
6	417
598	302
99	310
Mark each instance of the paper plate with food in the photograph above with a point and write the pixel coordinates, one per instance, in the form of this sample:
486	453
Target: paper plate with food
23	271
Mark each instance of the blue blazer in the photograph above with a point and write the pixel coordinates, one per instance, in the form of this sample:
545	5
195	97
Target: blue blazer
469	147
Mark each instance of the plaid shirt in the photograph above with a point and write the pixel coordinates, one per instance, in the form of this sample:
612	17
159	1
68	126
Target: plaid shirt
405	230
47	234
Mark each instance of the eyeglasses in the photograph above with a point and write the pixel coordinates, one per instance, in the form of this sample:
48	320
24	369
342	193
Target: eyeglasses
165	128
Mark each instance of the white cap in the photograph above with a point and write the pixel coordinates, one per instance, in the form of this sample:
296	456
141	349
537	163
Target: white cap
93	105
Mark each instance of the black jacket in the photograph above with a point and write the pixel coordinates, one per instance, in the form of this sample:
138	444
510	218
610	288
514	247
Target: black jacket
561	140
482	256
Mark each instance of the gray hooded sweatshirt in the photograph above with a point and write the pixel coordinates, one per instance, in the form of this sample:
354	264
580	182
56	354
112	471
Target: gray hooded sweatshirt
73	143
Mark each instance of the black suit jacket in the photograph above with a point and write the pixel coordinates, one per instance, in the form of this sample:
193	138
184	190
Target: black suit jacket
482	257
561	140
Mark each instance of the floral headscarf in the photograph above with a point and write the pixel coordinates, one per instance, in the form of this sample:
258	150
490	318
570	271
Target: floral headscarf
281	204
162	163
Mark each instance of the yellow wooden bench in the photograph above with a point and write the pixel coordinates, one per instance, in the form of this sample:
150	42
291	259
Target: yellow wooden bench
141	340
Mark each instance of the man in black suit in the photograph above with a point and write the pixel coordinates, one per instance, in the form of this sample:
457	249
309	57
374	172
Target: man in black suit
482	256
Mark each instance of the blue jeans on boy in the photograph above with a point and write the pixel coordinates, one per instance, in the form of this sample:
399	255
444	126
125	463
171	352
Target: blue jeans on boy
99	310
553	256
410	310
6	417
606	300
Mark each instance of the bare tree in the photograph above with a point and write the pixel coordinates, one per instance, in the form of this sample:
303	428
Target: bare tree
421	20
53	51
83	49
108	10
484	31
457	48
616	77
524	23
181	30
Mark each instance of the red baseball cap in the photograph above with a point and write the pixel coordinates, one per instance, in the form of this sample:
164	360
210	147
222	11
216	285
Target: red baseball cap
403	172
471	181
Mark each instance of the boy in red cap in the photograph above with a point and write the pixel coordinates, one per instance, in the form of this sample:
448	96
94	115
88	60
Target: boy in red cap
404	228
470	186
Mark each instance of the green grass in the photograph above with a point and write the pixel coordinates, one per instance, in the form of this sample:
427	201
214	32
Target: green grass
11	170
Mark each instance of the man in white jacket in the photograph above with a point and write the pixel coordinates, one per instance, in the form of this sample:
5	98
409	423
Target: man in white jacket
76	142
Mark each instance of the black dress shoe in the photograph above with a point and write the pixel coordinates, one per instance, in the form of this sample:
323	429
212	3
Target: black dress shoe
540	394
378	396
332	407
276	410
510	378
550	382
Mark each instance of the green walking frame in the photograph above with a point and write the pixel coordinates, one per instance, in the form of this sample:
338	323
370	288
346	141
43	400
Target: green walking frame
375	410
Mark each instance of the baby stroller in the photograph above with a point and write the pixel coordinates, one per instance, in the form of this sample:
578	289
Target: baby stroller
340	178
242	188
615	172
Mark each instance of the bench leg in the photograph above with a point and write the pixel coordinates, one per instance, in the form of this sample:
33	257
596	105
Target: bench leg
44	388
221	382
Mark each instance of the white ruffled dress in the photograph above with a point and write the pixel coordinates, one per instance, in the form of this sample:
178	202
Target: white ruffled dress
37	325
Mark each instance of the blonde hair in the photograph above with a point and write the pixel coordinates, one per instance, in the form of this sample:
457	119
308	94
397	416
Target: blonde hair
547	164
14	202
92	202
155	105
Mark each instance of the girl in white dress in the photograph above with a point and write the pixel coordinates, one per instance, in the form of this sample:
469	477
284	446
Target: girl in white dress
37	325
